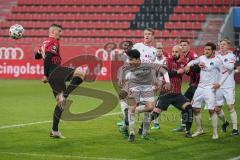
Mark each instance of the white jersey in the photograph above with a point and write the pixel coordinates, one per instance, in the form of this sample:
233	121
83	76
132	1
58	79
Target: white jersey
210	74
228	61
162	61
147	53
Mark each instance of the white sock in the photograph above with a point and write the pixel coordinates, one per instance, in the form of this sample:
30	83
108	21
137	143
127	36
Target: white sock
221	116
234	119
198	118
214	123
140	109
131	119
123	105
155	121
146	122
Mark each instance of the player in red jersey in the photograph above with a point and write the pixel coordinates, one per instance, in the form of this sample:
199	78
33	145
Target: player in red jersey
174	96
56	75
194	75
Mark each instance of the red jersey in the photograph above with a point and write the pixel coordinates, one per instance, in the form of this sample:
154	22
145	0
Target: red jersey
51	46
50	52
194	76
175	79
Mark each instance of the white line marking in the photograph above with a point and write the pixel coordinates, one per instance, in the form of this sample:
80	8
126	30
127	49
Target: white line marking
42	122
24	124
60	156
235	158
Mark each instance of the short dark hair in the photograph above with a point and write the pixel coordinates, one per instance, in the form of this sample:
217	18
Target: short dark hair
185	40
56	25
133	54
212	45
150	30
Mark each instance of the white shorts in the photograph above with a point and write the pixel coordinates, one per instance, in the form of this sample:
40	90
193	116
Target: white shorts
143	93
204	96
225	95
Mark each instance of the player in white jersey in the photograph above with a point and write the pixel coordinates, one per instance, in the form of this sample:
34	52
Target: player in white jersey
161	60
140	77
226	91
205	93
147	51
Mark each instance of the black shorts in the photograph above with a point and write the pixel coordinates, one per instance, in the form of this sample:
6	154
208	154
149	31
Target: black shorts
165	100
190	92
58	78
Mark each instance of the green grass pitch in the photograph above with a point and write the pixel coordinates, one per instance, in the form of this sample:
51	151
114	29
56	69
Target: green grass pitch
30	101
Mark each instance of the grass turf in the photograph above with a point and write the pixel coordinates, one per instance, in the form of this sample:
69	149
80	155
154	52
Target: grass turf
26	101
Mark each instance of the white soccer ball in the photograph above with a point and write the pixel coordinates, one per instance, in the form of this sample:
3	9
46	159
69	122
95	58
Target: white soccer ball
16	31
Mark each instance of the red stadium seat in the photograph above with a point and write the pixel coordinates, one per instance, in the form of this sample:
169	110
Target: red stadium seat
165	33
174	34
184	17
197	26
182	2
192	2
188	25
179	25
174	17
108	25
193	17
197	9
201	17
214	9
209	2
169	25
178	9
187	9
205	9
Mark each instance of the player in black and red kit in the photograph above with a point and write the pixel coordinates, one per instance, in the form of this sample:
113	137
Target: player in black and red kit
56	75
194	75
174	96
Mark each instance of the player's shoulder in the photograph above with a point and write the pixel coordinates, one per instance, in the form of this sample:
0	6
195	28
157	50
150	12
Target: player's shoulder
139	44
193	54
231	54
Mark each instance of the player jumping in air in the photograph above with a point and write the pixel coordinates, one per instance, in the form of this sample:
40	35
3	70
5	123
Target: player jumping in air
56	75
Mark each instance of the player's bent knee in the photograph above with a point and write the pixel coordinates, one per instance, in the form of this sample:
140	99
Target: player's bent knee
197	110
79	73
231	108
211	111
218	109
185	105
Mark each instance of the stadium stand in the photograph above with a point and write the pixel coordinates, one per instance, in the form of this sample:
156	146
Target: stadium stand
94	21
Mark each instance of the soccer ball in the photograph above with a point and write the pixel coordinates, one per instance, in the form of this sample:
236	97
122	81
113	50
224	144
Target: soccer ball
16	31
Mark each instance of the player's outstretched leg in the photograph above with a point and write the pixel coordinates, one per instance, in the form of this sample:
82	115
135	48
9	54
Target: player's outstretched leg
75	82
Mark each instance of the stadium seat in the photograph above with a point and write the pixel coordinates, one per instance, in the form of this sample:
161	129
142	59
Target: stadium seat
174	17
197	9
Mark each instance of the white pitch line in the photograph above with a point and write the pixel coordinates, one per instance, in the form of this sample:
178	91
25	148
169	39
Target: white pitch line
23	124
59	156
235	158
42	122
